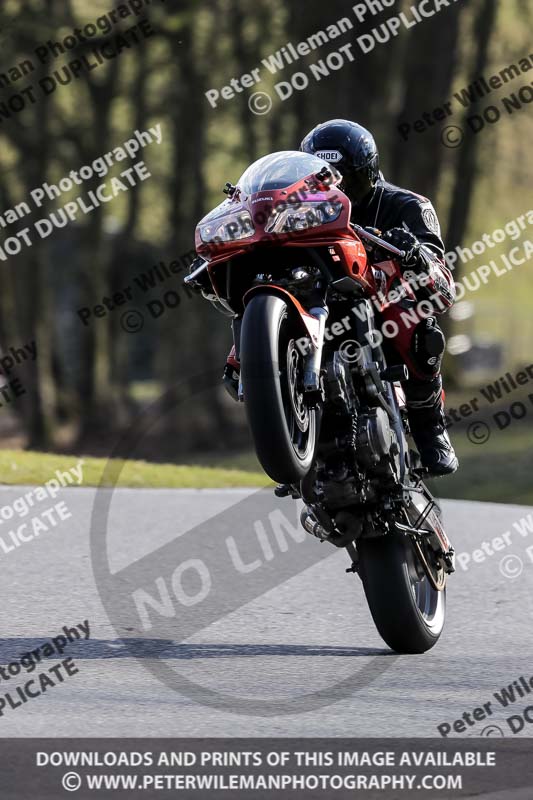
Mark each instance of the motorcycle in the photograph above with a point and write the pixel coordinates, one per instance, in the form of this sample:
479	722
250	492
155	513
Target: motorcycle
326	411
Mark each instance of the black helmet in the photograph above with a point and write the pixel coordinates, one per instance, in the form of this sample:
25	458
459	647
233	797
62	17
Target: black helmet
353	151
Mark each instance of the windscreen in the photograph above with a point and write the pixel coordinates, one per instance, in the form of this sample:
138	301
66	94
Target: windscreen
280	170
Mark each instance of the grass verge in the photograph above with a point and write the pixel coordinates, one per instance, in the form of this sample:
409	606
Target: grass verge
500	471
31	468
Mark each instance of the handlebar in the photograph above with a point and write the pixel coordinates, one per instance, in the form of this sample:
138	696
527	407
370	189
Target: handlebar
364	234
192	279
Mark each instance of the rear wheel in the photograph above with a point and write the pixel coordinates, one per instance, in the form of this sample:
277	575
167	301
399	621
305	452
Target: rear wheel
407	609
283	425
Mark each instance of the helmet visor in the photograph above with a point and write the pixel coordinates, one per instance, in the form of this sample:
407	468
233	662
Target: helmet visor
358	183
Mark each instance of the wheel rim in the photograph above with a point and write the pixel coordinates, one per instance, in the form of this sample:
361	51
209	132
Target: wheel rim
299	418
300	412
429	602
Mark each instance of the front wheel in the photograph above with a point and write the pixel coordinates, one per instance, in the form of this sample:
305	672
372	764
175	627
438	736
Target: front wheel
407	610
283	425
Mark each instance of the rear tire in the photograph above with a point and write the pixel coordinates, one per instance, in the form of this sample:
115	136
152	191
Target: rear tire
407	611
283	426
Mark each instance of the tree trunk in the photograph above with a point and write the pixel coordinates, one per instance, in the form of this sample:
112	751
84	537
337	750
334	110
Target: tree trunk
417	162
467	163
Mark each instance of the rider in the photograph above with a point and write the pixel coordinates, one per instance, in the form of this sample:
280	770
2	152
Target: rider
410	224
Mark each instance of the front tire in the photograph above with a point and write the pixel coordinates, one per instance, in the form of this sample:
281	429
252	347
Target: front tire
283	425
407	610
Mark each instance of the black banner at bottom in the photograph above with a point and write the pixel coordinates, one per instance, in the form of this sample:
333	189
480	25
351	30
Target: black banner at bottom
48	769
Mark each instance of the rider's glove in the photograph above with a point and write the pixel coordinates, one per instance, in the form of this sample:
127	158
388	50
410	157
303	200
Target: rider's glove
406	241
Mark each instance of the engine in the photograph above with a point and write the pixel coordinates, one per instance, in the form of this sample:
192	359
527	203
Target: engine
360	456
375	438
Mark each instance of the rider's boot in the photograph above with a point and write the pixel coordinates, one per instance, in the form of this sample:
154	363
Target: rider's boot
428	427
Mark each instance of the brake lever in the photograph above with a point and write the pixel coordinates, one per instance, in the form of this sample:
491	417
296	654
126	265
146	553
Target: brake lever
364	234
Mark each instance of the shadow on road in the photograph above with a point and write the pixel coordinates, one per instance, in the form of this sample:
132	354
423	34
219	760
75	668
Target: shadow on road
13	649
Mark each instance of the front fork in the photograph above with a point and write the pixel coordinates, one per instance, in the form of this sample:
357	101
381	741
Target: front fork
313	360
313	326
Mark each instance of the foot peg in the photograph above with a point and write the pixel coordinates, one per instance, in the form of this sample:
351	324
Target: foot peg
397	372
287	490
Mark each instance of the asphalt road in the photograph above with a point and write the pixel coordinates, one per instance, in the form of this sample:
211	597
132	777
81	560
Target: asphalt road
300	626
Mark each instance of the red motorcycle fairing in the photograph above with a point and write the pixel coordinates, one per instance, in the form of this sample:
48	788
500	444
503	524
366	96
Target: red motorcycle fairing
246	221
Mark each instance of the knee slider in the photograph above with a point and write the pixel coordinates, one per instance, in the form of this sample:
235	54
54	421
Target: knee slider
428	346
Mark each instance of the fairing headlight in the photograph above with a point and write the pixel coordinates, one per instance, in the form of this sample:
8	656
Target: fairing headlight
229	228
308	215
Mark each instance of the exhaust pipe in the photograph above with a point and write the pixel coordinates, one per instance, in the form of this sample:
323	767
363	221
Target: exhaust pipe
313	526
